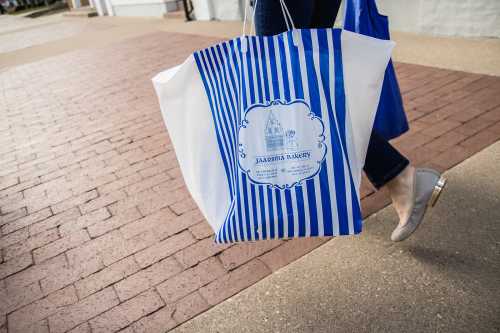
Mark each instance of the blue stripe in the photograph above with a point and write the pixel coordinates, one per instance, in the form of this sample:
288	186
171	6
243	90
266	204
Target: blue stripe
338	165
276	90
254	208
271	211
284	72
267	96
280	213
214	116
340	106
234	51
250	85
316	109
263	218
289	209
299	94
223	105
247	209
256	58
220	129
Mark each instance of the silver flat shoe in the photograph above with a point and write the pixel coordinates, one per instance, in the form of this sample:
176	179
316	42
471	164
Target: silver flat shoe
427	186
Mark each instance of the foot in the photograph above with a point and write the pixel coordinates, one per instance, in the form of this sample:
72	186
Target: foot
411	192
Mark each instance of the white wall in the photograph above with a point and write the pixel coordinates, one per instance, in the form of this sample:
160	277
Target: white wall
155	8
468	18
218	9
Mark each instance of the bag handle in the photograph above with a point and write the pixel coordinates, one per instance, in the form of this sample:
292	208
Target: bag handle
284	9
286	16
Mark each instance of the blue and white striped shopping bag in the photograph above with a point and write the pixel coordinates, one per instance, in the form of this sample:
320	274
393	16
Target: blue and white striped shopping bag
271	132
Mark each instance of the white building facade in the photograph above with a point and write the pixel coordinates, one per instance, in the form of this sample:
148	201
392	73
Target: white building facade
465	18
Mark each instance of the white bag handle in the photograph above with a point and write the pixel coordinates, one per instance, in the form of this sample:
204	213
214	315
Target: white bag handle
284	9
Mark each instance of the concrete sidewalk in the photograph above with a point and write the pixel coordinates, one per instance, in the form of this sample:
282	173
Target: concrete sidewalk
443	279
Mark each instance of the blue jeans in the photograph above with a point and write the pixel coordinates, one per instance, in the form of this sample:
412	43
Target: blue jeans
383	162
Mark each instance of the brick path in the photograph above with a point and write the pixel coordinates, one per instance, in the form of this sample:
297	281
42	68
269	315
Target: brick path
98	232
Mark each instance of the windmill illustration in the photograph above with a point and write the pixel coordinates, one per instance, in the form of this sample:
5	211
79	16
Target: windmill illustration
274	133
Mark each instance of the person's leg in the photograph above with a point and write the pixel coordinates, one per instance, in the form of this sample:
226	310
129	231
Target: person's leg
269	19
383	162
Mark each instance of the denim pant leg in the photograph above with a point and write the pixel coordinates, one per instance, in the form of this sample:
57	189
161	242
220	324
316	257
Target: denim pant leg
383	162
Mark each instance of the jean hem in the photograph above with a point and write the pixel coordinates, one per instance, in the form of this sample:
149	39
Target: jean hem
390	175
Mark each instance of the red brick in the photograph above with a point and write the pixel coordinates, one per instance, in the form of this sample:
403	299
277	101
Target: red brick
114	222
132	201
73	315
72	202
101	201
61	245
67	216
201	230
35	273
164	248
183	206
446	141
452	157
12	202
20	187
128	170
68	274
480	140
127	312
290	251
19	298
41	309
467	115
237	280
106	277
241	253
494	128
15	265
41	326
179	223
147	183
83	328
493	115
160	321
26	221
375	202
8	182
31	243
12	216
473	126
161	200
189	307
147	278
120	183
129	247
149	222
190	280
409	142
14	237
89	183
440	128
199	251
84	221
79	255
153	170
